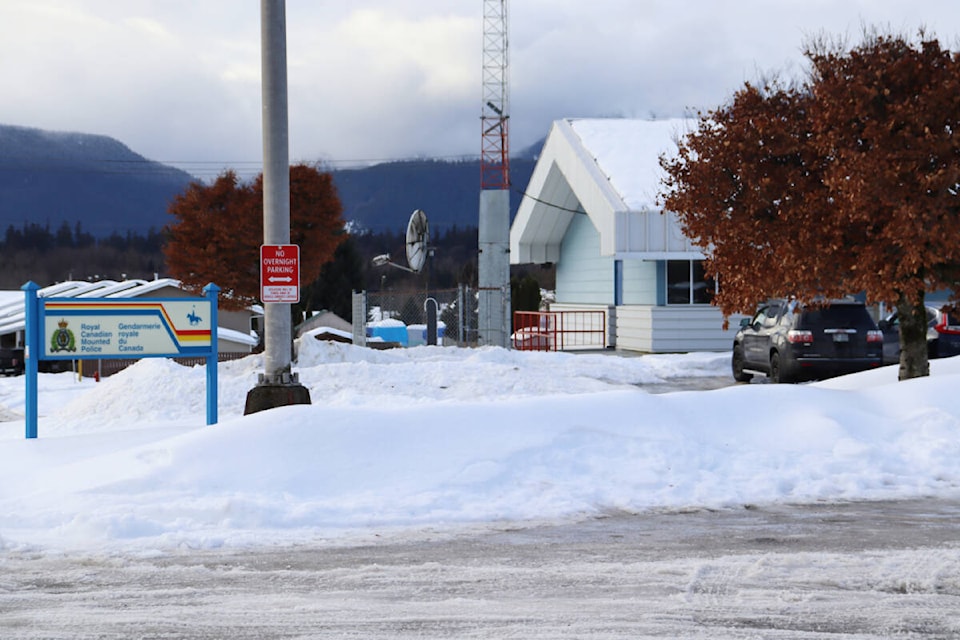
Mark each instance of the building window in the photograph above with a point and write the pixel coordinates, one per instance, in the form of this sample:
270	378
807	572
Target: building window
686	283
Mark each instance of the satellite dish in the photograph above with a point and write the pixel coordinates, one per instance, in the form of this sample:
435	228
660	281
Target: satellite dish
418	239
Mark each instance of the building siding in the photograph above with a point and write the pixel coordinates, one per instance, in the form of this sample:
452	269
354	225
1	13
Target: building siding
652	329
672	329
583	275
639	282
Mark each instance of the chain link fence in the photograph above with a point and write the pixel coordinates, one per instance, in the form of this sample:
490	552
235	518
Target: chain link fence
456	312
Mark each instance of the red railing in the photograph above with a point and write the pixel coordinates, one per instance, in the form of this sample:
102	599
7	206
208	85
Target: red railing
559	330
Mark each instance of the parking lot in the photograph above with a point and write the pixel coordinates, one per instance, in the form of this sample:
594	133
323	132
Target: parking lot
863	570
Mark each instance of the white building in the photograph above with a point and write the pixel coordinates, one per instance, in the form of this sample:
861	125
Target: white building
591	209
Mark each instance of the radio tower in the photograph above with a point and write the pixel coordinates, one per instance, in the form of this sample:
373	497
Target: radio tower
493	264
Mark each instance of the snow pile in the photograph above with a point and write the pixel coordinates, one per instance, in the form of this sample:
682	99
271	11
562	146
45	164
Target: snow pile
433	439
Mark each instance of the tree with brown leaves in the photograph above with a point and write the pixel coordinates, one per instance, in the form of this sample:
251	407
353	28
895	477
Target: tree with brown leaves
219	231
848	182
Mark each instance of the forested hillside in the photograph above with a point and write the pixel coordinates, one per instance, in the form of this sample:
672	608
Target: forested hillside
78	206
382	197
50	178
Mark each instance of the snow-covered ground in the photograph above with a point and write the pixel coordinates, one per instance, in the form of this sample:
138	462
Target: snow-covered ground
445	439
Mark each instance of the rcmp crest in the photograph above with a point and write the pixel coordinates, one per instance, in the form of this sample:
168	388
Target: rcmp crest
63	338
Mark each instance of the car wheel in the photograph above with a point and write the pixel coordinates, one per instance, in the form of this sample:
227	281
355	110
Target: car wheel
777	374
737	363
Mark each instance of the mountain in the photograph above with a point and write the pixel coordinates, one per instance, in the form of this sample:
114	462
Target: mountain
48	178
382	197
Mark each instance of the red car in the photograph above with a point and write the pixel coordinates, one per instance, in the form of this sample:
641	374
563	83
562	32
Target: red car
943	335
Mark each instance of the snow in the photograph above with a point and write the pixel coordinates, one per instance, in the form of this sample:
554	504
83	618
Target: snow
628	152
441	438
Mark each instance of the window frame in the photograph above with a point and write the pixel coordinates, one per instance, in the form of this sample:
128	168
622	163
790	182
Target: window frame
691	284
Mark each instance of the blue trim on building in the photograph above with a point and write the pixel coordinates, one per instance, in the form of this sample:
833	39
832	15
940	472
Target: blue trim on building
661	283
617	282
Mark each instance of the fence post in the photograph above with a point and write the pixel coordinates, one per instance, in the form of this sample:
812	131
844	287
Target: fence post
359	307
461	300
432	308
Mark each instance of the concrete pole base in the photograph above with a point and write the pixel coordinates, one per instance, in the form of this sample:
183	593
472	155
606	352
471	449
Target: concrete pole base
271	396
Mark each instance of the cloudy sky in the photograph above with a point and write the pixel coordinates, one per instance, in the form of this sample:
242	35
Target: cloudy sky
179	80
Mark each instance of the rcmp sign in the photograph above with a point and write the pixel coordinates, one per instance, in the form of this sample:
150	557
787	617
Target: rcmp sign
126	328
95	328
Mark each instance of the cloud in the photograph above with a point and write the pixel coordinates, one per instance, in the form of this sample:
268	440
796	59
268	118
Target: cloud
381	84
180	79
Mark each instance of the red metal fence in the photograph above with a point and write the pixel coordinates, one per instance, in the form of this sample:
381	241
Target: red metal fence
559	330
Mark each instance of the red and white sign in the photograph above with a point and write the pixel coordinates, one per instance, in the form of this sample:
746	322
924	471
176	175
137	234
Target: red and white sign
280	273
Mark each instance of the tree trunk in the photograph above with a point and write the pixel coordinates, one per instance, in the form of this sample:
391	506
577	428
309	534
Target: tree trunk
912	315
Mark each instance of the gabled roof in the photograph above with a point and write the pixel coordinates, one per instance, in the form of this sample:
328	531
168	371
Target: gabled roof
607	169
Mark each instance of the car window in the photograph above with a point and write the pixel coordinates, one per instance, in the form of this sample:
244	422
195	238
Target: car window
759	316
844	316
767	315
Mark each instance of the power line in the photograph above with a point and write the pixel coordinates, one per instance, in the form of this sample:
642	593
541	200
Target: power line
525	194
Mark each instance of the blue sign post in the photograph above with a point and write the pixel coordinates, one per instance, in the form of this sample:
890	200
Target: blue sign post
31	352
85	329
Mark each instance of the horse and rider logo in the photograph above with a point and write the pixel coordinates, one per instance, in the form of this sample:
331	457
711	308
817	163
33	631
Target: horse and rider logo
194	318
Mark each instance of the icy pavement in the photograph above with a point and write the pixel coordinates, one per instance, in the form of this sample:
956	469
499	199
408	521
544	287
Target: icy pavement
858	570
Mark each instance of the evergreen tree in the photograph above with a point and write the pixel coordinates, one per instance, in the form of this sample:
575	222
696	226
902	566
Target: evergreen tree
339	278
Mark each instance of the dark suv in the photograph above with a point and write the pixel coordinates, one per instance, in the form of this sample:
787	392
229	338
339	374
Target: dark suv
789	342
11	361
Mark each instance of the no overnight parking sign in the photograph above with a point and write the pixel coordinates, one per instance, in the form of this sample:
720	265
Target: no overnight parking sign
280	273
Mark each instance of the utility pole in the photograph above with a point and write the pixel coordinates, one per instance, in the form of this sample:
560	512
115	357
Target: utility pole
277	385
493	264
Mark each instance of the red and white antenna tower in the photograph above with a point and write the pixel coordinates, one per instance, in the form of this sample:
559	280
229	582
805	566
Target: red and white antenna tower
495	148
493	262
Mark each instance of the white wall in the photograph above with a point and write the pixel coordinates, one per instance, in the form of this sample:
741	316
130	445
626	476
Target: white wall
671	329
639	282
583	276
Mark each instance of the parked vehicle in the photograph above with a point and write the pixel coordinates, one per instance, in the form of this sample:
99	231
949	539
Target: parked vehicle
11	361
943	336
788	342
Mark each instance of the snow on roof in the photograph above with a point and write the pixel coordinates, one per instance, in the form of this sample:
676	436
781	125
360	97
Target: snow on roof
628	152
238	337
10	298
610	170
312	333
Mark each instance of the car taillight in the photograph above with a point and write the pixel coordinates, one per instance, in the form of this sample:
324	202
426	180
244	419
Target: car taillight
874	336
799	337
948	329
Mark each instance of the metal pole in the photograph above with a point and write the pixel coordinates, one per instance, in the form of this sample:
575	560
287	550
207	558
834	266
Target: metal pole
277	385
276	177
